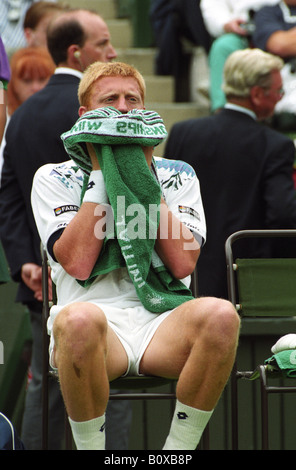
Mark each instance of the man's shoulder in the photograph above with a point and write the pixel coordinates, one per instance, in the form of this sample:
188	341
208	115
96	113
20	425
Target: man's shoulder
269	9
64	172
274	135
66	83
194	122
166	166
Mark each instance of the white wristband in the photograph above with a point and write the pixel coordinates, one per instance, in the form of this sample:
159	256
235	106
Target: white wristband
96	190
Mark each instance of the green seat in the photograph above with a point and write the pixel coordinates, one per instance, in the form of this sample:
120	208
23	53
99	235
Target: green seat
267	287
260	288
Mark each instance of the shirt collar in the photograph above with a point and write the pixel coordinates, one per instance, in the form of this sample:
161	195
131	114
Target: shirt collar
236	107
68	71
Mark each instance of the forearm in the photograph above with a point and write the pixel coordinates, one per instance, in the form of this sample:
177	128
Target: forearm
175	244
79	246
282	43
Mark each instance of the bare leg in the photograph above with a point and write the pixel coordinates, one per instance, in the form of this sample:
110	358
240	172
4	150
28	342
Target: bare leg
85	348
196	343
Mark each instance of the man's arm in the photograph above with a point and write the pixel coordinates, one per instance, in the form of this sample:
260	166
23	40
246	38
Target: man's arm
31	275
81	236
282	43
78	248
270	33
175	244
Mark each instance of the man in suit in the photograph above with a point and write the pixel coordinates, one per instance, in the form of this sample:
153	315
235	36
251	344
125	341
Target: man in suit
244	168
275	32
76	38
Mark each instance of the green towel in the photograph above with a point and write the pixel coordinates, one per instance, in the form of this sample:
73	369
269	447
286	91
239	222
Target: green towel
117	139
284	361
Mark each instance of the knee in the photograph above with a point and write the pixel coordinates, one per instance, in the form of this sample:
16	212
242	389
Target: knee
226	318
220	322
224	325
79	328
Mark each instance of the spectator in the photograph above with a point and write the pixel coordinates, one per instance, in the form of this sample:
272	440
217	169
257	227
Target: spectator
245	168
173	21
76	38
12	14
228	22
31	69
276	32
37	19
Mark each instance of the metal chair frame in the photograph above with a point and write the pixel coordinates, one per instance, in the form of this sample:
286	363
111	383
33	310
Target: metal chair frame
262	371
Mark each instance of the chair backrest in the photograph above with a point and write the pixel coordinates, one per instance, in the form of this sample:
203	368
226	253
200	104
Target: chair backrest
262	287
9	440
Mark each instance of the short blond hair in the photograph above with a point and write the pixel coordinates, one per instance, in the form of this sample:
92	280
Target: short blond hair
247	68
99	70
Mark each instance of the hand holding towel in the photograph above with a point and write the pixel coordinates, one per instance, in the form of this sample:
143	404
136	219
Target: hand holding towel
118	140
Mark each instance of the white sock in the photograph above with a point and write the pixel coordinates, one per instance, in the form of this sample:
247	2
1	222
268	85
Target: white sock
187	427
89	435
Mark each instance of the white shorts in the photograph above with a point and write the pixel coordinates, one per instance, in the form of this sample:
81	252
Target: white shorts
133	326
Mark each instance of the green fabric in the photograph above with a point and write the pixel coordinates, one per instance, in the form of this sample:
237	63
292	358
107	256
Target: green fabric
220	50
4	270
117	139
267	286
4	84
285	362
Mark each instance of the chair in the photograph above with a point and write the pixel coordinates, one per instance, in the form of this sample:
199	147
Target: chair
260	288
142	386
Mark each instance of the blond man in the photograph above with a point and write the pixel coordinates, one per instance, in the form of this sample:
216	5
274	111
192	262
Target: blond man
103	331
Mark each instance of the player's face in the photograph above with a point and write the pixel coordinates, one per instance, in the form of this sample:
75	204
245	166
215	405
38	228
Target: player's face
123	93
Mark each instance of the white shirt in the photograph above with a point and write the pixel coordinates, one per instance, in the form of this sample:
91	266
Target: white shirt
216	13
69	71
56	194
241	109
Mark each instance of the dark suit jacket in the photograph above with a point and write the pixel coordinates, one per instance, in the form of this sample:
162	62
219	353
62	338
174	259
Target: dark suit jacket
245	173
32	140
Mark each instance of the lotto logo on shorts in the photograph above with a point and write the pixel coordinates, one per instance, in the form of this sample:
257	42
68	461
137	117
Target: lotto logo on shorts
69	208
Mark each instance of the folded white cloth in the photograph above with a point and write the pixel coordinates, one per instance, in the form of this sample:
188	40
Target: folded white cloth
284	343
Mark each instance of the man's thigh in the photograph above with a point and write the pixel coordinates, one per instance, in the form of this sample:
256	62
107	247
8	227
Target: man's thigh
170	346
116	360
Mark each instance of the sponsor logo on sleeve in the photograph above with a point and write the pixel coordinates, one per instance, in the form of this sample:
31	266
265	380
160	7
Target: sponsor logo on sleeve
189	211
67	208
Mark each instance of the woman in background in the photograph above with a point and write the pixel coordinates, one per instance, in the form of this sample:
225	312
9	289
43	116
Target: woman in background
30	70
